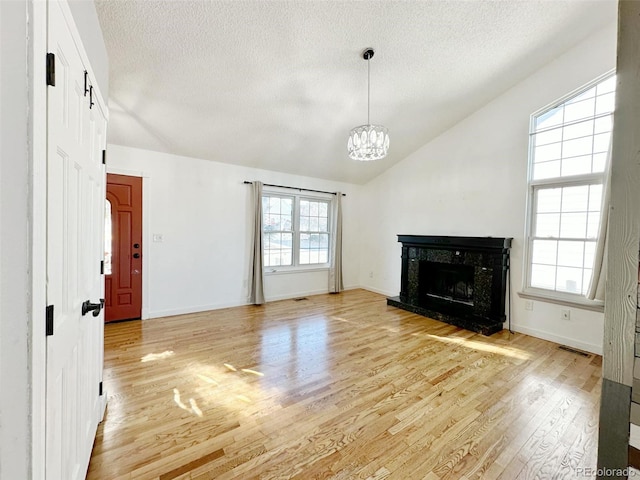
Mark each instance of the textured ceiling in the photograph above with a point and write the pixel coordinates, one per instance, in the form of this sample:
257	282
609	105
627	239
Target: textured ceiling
279	84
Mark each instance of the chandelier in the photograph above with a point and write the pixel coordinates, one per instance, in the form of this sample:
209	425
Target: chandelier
368	142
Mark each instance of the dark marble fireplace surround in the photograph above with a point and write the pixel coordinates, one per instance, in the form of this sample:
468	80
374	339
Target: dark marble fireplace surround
457	280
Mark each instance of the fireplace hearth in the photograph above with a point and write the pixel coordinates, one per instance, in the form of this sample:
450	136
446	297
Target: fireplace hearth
457	280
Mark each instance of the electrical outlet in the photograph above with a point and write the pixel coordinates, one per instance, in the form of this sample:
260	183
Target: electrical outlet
370	274
528	305
157	237
565	314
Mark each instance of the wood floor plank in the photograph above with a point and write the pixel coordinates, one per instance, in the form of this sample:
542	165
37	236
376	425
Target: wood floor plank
339	387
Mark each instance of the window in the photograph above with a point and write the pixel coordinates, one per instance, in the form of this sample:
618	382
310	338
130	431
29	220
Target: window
295	229
569	144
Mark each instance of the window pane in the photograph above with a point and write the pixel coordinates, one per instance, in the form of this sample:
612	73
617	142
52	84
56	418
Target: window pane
549	200
304	207
286	222
313	256
582	129
601	142
322	224
323	256
589	254
604	124
546	170
543	276
323	209
549	119
573	225
579	110
569	280
304	224
583	96
544	251
593	224
605	103
599	161
304	240
595	198
274	205
548	152
576	165
304	256
313	224
579	146
547	225
575	199
286	206
571	254
286	257
608	85
324	241
548	136
313	208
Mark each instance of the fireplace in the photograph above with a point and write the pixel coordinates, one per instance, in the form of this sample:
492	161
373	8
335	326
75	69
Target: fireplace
444	281
457	280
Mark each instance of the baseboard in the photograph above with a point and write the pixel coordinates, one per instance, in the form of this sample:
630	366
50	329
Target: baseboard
195	309
289	296
376	290
570	342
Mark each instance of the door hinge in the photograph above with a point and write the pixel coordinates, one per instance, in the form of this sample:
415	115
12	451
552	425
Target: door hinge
101	267
100	389
51	69
104	157
86	83
49	320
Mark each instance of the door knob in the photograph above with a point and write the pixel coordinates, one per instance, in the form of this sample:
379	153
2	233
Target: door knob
136	245
87	307
136	255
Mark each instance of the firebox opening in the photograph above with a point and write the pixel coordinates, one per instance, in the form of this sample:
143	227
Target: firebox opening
447	281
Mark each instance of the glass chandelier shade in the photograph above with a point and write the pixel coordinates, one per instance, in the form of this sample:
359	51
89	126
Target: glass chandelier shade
368	142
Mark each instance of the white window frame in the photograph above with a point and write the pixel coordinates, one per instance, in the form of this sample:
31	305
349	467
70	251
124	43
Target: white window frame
295	244
528	291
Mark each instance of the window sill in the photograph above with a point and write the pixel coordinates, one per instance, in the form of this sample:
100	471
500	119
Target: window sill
559	299
288	270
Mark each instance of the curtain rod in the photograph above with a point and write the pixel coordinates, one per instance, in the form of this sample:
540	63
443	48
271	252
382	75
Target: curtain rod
295	188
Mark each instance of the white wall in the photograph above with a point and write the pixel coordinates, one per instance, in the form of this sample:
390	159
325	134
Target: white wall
86	19
471	181
201	208
14	251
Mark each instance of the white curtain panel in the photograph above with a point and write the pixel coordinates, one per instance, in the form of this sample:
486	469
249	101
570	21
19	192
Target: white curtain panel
256	276
335	267
597	286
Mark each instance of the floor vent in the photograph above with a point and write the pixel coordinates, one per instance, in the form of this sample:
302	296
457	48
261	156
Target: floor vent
299	299
573	350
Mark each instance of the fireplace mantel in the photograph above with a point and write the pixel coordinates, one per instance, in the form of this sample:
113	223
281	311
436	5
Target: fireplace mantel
457	280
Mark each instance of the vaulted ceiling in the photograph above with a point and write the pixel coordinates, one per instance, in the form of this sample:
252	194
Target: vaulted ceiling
279	84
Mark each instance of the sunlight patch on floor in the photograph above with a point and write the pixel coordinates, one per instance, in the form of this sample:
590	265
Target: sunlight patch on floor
483	347
150	357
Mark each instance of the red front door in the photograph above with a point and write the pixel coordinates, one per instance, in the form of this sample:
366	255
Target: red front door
123	273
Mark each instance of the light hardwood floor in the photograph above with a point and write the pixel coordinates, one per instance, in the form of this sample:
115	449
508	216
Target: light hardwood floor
340	386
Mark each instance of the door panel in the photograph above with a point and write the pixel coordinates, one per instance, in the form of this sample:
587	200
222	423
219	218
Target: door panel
75	201
123	284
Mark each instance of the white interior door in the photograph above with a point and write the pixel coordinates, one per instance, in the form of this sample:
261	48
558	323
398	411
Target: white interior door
75	223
